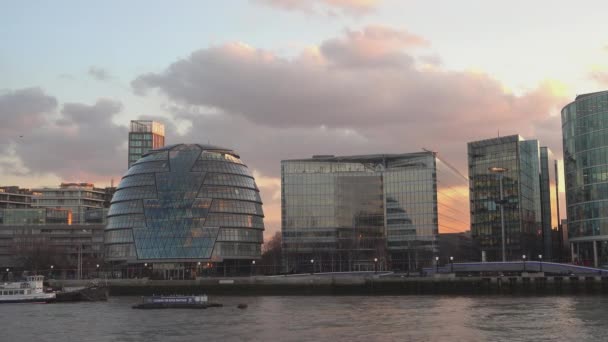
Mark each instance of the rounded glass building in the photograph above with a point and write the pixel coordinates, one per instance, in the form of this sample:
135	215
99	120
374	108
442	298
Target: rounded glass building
183	206
585	133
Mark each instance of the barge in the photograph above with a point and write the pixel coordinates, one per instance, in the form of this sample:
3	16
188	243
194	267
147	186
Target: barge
176	302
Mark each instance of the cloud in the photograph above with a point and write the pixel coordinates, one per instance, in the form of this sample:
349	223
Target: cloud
99	73
349	7
362	92
338	88
79	143
21	111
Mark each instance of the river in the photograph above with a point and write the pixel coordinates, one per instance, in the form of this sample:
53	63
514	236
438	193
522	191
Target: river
317	318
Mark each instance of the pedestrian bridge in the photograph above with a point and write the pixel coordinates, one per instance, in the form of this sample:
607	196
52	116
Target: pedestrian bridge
517	267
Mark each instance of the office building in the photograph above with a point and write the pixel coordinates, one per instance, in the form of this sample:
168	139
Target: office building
35	239
144	135
76	197
516	163
182	205
15	197
363	212
584	128
548	200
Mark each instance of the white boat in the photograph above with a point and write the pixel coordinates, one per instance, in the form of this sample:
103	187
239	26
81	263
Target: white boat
28	291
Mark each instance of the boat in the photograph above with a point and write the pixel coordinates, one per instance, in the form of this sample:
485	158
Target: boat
176	302
29	291
91	293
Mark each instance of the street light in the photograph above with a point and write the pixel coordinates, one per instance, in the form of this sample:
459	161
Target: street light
375	265
540	258
524	257
436	264
312	262
451	264
252	266
500	171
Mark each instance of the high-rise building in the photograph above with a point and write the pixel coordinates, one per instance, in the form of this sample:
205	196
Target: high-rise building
548	198
76	197
364	212
584	129
183	209
514	164
144	135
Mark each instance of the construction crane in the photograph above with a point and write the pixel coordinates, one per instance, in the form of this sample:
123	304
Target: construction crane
436	154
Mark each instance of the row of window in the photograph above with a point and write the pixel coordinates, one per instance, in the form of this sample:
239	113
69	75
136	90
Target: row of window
587	211
587	193
208	155
149	167
220	167
134	193
229	193
230	180
247	235
137	180
232	206
231	249
127	207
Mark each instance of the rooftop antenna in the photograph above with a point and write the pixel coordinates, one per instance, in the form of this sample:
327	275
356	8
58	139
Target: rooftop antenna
112	183
499	132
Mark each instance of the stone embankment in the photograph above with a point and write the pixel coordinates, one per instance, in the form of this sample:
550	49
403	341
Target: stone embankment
366	284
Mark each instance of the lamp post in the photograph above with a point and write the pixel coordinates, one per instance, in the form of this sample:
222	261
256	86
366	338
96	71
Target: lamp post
451	264
540	259
312	263
524	258
51	272
500	171
375	265
252	266
436	264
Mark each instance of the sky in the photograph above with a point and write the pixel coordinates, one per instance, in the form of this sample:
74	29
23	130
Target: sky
282	79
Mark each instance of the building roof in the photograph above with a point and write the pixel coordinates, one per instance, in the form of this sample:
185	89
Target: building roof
201	146
362	158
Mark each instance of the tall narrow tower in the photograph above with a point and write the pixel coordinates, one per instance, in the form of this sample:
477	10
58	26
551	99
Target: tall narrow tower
144	135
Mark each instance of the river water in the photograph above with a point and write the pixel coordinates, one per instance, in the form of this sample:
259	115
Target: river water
319	318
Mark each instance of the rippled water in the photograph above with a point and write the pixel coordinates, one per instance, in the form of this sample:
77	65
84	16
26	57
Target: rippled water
405	318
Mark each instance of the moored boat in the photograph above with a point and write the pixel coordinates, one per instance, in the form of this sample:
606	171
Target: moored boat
176	302
29	291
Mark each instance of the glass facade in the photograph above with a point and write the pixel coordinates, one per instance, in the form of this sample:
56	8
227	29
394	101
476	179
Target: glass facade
79	198
144	135
585	134
548	196
185	203
344	212
520	161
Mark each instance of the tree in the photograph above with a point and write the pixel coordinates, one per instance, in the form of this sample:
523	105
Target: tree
272	254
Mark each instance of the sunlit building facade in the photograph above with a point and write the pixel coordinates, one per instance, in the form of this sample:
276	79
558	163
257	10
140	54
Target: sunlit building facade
585	137
144	135
526	176
184	204
360	212
79	198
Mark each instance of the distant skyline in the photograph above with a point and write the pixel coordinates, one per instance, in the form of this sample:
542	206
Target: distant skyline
293	78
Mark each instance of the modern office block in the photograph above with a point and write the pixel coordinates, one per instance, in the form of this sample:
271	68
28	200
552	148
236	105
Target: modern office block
361	212
585	134
144	135
516	163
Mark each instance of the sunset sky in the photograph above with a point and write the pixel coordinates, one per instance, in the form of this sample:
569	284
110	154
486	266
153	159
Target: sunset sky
280	79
